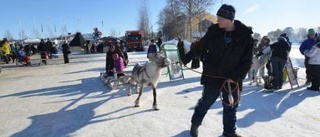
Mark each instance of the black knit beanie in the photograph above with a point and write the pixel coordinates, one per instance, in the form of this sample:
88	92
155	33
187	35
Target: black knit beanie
226	11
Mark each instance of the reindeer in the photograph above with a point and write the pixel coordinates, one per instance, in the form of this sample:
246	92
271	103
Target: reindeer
258	65
148	75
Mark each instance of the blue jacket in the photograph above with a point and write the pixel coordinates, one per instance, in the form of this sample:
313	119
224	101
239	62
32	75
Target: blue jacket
307	44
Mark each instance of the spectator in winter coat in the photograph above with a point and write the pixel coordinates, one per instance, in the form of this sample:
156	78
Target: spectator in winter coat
125	54
6	50
152	49
228	49
110	60
66	51
314	66
118	64
264	43
159	42
180	47
279	56
49	47
14	50
121	52
118	49
42	48
307	45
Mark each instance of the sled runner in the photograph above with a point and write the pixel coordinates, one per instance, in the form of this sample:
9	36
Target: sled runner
114	82
292	74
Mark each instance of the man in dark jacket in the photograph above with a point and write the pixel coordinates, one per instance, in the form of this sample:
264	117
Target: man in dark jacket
152	49
49	47
280	52
227	47
42	48
66	51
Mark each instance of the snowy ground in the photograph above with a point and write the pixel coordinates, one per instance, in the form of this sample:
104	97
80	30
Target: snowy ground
70	100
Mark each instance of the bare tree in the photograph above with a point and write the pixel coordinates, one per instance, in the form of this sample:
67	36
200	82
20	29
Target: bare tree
302	34
289	31
194	7
257	36
113	32
144	19
172	20
8	35
36	33
22	34
64	31
50	32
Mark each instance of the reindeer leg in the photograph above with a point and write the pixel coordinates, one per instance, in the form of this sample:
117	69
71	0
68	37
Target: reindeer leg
136	103
129	89
154	106
130	83
137	88
250	77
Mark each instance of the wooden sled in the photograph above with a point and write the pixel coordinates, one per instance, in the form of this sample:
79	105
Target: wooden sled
114	82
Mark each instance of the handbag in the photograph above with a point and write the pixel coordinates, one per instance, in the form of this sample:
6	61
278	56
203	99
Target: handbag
69	52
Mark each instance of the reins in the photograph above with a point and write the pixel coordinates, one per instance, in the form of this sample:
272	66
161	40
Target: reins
226	86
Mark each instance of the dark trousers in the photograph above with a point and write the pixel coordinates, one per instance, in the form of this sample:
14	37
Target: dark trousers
6	58
209	96
66	57
308	71
315	73
277	65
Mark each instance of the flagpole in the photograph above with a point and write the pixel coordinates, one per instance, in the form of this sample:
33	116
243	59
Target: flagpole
20	27
102	25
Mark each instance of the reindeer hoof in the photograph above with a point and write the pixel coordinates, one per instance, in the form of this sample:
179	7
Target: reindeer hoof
136	103
155	107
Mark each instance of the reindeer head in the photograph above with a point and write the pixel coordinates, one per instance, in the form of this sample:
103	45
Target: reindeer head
160	60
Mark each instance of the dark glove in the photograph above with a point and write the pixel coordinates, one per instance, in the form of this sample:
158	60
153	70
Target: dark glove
185	60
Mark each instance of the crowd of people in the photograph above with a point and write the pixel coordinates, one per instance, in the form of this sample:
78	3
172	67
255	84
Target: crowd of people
278	53
12	51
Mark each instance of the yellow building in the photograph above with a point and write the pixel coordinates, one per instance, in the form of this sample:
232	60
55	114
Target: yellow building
200	24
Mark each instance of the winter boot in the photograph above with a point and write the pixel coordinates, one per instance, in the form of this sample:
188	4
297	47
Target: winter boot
194	131
225	134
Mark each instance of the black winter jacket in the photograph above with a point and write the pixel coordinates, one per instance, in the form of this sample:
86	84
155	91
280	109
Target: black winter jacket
109	61
227	61
281	48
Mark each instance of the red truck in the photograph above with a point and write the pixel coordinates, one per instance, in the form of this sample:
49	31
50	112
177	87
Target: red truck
134	40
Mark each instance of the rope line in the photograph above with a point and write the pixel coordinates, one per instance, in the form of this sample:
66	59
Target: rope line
225	87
